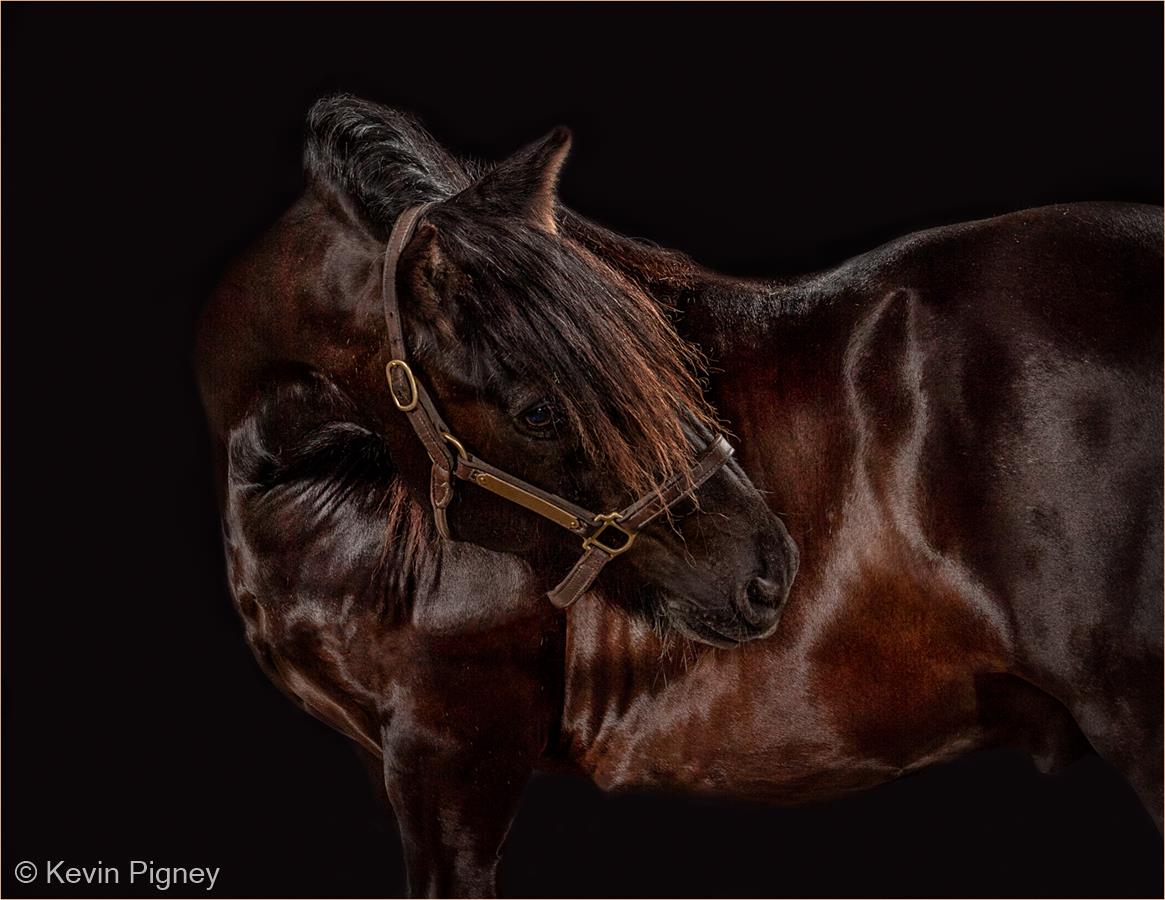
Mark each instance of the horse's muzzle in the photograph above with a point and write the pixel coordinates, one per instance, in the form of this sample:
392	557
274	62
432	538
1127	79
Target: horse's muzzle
759	601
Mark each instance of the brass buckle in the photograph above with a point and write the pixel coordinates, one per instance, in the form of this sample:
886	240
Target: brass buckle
412	402
609	520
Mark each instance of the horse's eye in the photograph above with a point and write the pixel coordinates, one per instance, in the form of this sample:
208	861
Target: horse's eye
539	416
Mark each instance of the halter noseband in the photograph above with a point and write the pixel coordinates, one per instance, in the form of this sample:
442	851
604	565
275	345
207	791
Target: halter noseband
604	536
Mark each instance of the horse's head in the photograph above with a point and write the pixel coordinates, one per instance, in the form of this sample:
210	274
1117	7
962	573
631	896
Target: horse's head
548	364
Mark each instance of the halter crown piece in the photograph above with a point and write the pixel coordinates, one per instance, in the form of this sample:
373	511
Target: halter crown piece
605	536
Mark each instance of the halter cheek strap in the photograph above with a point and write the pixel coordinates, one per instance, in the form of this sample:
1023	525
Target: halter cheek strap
604	536
410	397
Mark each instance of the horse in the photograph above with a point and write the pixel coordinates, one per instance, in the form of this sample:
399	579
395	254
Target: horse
941	531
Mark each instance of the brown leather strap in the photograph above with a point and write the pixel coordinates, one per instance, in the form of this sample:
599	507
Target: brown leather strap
408	393
410	397
636	517
643	511
550	506
580	578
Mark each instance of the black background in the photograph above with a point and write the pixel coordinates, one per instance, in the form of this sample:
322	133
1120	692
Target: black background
145	147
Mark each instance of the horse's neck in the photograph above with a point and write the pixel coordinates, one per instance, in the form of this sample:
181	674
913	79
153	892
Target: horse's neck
641	710
777	353
736	320
730	317
622	677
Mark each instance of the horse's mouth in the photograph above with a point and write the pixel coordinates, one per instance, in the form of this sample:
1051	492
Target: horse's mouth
725	630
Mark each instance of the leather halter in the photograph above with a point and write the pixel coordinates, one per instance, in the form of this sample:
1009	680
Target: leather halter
604	536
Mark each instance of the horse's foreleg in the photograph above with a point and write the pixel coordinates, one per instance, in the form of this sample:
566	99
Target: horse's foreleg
454	807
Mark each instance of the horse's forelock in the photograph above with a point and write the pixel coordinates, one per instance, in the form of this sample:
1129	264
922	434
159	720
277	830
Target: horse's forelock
606	351
604	348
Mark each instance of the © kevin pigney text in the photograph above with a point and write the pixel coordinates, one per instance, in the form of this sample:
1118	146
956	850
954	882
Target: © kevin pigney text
137	871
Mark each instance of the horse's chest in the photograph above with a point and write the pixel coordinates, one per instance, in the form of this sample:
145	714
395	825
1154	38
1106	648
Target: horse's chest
860	683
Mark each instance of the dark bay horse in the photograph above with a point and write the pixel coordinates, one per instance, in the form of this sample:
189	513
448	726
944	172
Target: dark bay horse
960	431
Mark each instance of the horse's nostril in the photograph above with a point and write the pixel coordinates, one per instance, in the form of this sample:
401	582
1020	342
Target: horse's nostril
763	593
759	603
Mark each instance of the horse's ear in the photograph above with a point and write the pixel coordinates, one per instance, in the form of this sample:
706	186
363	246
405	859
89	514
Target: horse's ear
426	269
424	253
525	184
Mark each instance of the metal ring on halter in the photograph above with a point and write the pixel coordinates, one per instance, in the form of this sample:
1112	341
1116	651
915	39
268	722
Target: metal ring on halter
415	397
457	445
605	521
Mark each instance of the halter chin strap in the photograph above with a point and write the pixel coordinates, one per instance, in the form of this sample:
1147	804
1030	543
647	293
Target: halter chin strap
604	536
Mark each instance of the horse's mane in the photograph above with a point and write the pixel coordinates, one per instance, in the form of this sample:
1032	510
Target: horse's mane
604	346
669	276
302	471
380	158
386	161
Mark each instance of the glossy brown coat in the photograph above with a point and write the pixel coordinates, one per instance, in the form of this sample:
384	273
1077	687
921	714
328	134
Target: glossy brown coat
961	432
